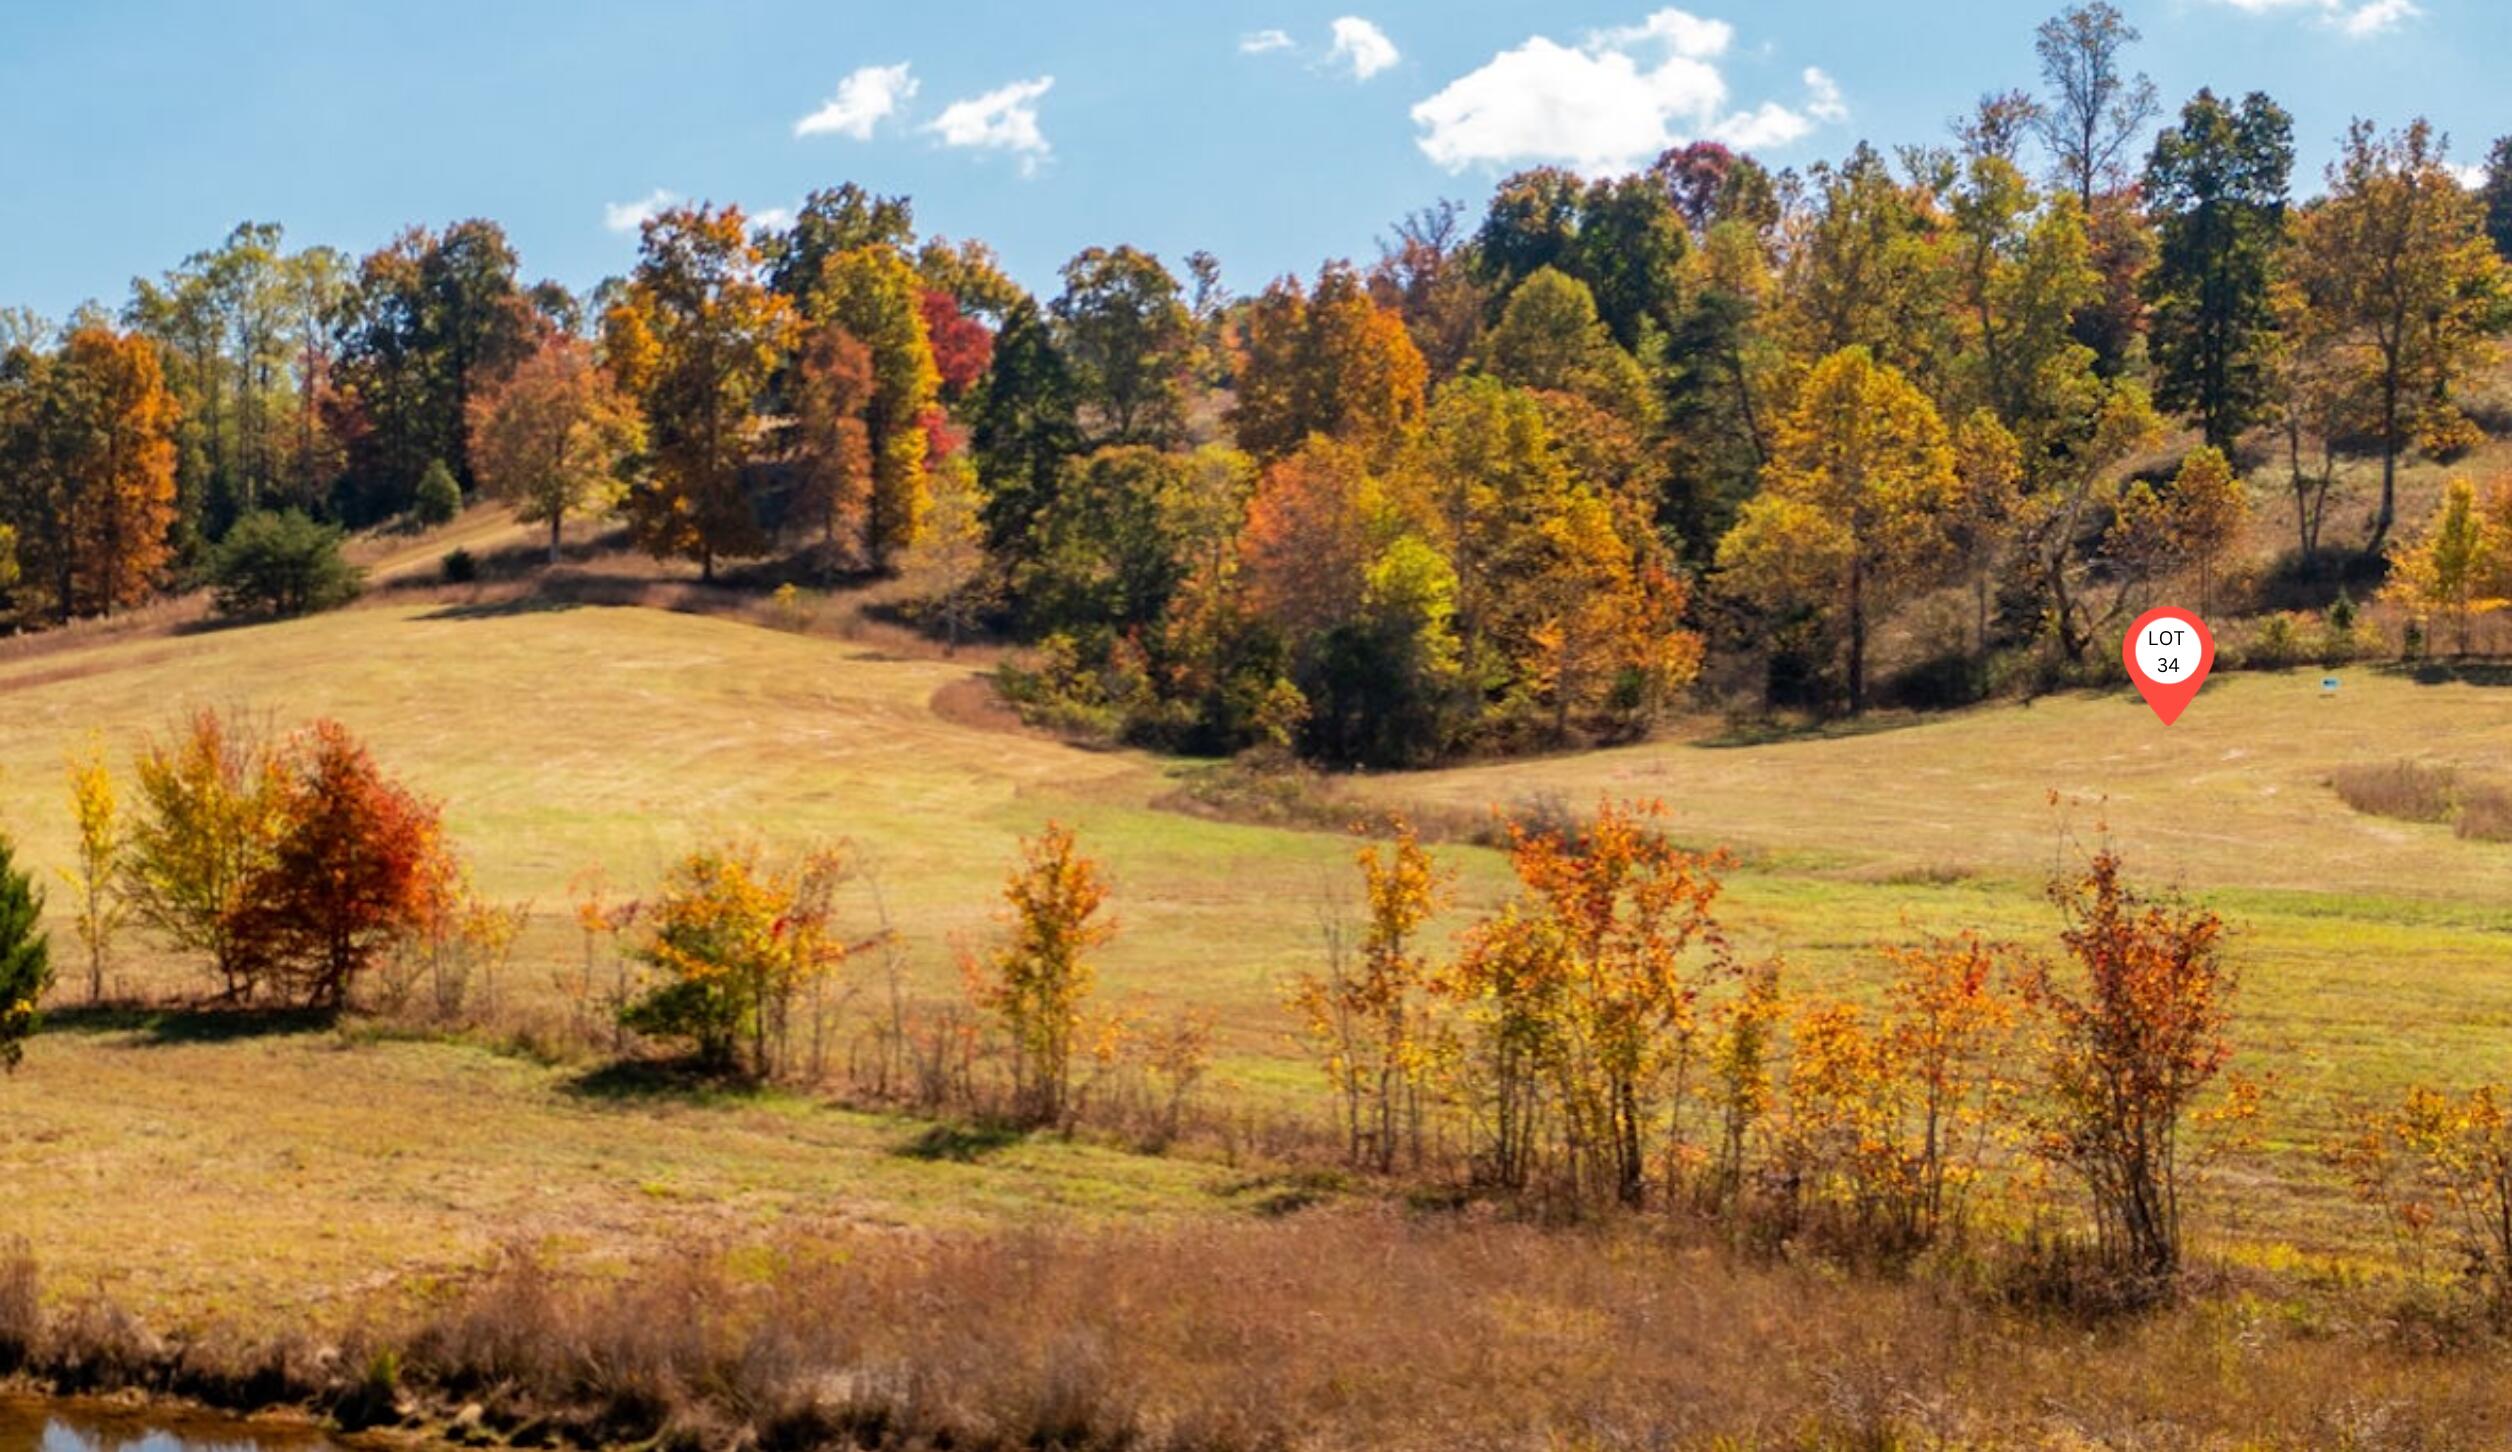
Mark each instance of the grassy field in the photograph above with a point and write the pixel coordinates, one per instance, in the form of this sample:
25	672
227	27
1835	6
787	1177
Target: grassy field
192	1172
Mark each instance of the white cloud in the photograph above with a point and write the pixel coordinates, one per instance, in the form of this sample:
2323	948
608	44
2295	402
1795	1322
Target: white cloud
775	219
1362	46
2377	16
863	100
2357	19
629	216
1823	99
1611	103
1684	33
1005	119
1257	42
2472	174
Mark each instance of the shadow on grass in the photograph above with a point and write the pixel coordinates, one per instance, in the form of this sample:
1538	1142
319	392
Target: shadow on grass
959	1144
1274	1196
531	604
648	1081
2451	673
156	1027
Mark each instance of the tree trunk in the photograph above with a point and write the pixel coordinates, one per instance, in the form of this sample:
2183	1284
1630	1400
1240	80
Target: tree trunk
1857	637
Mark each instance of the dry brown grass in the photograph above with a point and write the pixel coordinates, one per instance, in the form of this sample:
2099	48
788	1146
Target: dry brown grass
2411	791
1323	1330
2486	812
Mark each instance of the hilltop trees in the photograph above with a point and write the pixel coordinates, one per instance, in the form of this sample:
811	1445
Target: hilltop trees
554	435
1129	344
2216	185
2396	259
87	443
872	294
1855	502
696	335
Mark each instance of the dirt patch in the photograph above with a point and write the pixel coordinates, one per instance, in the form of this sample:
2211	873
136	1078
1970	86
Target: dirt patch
972	701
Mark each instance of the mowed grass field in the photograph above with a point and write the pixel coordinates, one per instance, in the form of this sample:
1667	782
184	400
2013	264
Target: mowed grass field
192	1175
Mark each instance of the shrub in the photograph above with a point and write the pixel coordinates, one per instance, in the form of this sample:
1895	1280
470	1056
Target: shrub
2410	791
734	941
2443	1158
1369	1022
461	567
25	957
439	496
280	564
2279	642
2137	1032
2486	812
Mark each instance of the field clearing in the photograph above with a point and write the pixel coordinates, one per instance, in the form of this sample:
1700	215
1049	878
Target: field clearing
194	1173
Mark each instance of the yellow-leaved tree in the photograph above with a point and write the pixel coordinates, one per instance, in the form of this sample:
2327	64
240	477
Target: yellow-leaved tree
2454	571
1369	1021
1856	503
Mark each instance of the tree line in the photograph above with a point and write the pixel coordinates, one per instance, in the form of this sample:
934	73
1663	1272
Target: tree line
1509	483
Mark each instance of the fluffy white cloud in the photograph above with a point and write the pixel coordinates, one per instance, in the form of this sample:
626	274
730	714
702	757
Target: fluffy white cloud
1824	101
775	219
2357	19
1612	102
629	216
1005	119
863	100
1257	42
1362	46
2377	16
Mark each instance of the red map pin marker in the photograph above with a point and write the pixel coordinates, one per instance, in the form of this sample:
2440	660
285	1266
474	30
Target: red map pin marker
2168	654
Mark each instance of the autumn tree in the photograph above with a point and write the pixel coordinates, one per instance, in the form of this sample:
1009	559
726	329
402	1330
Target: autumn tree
696	335
1854	506
1986	510
208	826
1333	363
554	435
1582	999
98	902
430	318
1367	1017
831	220
2209	506
1425	273
2396	257
88	434
2455	571
25	957
1550	339
732	941
2216	185
357	863
874	296
1038	982
2137	1029
831	388
2440	1158
1333	564
1126	336
946	567
962	348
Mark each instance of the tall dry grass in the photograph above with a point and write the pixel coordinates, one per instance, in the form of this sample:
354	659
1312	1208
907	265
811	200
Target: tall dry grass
1325	1330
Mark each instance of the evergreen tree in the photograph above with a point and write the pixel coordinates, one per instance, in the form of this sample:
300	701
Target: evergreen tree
25	956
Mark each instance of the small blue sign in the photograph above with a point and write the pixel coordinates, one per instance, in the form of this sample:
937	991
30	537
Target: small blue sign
2328	685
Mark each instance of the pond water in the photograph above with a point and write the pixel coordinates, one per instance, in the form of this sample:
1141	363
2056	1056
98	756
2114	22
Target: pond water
58	1427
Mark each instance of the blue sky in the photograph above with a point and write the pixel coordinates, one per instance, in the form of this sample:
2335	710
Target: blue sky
1274	134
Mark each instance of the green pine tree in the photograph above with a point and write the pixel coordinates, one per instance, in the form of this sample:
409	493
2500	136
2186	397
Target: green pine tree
25	957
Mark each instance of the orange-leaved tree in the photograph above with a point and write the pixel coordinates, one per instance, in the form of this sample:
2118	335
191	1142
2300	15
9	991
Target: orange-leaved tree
1581	998
1037	984
359	864
552	435
2135	1034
